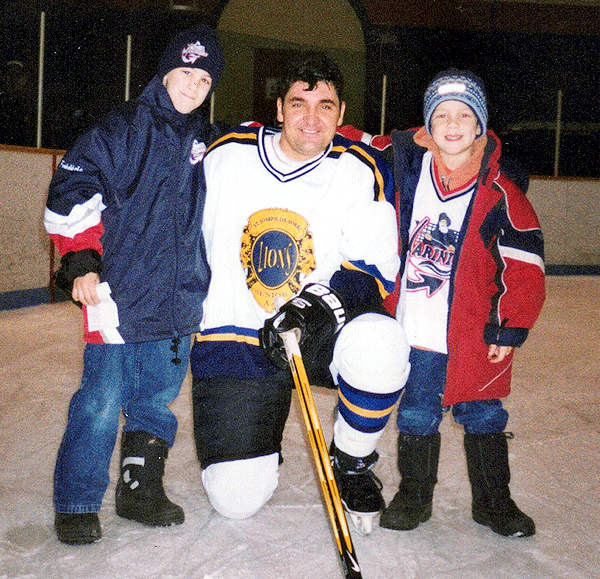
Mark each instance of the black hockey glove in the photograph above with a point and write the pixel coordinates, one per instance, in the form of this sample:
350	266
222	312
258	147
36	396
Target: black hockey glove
317	312
75	264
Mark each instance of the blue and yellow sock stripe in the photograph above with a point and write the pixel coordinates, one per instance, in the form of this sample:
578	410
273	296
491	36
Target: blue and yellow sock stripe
365	411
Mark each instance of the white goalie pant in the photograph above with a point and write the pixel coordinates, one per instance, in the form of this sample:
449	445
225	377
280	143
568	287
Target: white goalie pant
371	355
238	489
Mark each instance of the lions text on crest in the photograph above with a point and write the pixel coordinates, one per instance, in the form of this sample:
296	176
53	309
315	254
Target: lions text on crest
277	253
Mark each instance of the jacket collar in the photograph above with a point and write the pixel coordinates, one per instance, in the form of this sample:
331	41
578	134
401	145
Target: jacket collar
453	180
156	96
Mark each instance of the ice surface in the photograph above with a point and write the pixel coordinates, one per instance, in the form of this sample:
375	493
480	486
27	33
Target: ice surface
554	458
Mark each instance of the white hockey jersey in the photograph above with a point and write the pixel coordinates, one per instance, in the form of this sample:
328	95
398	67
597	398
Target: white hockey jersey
437	218
272	225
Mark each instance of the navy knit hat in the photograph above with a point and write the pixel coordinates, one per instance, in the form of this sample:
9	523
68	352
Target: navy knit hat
456	85
197	47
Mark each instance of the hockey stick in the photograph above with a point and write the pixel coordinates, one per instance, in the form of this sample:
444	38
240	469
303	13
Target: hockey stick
329	487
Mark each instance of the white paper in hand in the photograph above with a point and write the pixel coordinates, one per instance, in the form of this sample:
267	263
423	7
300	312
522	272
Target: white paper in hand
104	315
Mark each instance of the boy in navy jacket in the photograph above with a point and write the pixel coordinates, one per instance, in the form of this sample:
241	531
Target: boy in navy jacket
124	210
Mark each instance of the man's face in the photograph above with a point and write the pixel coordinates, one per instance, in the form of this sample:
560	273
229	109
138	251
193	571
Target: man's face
187	88
309	119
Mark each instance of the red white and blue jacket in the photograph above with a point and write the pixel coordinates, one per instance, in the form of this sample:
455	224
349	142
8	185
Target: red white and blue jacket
127	201
497	281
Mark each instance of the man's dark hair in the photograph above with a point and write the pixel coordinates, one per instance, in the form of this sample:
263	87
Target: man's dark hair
311	67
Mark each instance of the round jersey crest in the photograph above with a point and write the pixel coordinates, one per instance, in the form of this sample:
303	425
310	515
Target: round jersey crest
277	253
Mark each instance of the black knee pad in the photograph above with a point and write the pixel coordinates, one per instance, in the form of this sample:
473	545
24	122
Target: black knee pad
237	419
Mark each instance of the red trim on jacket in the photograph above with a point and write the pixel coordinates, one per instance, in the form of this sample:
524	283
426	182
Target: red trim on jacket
470	376
88	239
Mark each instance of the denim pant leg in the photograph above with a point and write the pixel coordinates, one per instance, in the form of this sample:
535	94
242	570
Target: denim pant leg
420	408
155	383
481	416
81	472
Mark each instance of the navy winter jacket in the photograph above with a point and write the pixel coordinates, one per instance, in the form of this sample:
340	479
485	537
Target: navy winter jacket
127	201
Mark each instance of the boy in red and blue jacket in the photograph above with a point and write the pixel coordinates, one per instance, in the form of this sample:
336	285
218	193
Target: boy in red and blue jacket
471	287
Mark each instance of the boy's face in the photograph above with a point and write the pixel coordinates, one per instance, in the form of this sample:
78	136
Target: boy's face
187	88
454	128
309	119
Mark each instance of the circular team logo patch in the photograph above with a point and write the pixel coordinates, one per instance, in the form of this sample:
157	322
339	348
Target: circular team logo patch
192	52
277	253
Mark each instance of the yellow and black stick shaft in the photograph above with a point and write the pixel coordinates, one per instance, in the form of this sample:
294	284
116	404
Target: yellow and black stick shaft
318	445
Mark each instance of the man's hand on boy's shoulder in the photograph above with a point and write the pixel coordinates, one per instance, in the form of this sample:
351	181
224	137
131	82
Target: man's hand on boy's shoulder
84	289
379	142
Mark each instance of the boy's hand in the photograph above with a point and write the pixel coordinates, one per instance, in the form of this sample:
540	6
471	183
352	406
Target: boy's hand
498	353
84	289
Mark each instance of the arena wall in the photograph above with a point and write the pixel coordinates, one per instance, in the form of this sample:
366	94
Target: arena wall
567	208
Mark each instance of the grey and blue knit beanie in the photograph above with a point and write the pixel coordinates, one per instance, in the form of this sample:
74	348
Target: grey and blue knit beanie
456	85
197	47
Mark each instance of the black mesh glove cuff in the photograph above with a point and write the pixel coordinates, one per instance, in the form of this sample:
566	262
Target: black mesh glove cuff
502	336
317	312
74	264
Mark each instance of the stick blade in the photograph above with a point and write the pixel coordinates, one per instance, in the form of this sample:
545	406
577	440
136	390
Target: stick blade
351	566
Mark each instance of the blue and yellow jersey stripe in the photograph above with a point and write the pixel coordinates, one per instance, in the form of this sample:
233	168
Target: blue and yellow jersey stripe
384	181
385	286
229	334
242	135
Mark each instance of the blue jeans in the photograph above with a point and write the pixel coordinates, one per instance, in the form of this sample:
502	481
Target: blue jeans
420	410
137	378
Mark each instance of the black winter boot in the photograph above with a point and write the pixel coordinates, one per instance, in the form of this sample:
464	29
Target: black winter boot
77	528
140	494
418	458
489	473
360	489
